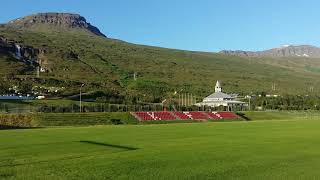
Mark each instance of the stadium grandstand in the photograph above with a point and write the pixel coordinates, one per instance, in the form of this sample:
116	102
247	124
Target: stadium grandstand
216	99
172	116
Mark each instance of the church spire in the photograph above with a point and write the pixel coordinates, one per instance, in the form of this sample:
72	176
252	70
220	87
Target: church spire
218	87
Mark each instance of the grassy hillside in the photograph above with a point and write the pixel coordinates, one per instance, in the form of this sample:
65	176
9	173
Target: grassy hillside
108	65
236	150
13	121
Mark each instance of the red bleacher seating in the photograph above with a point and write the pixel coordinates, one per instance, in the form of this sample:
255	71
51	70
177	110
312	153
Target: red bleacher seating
144	116
198	115
155	116
164	115
183	115
228	115
191	115
214	115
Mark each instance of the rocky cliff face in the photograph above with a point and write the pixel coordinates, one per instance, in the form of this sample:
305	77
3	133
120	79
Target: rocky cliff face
19	51
284	51
59	20
26	54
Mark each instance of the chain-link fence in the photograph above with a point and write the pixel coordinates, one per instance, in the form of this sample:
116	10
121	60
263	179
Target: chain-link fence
75	108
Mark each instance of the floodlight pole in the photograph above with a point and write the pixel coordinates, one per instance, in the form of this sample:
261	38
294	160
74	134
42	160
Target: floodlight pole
180	99
81	98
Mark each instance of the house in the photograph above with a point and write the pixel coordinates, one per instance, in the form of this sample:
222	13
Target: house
219	99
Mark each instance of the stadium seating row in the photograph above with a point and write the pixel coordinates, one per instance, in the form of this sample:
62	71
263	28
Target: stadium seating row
165	115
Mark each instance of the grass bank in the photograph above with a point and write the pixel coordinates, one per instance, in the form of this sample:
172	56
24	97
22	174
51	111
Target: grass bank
282	115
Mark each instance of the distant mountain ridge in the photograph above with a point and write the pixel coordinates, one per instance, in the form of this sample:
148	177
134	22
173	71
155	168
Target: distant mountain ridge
283	51
56	20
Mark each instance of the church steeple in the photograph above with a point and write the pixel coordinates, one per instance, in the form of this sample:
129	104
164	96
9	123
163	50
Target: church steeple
218	87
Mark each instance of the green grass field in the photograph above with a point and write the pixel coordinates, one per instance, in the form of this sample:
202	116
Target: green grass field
236	150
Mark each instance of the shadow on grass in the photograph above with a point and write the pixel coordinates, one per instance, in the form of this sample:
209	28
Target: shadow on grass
123	148
243	116
127	148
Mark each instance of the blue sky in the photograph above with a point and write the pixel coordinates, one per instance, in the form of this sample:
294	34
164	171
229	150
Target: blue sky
202	25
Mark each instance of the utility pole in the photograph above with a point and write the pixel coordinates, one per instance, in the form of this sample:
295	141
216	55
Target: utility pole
192	103
180	98
187	96
183	96
311	89
274	86
81	97
135	76
39	67
179	101
38	71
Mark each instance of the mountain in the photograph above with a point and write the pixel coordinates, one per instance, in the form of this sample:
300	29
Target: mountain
60	21
284	51
64	55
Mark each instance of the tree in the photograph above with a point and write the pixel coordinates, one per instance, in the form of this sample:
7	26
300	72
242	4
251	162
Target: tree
25	88
4	87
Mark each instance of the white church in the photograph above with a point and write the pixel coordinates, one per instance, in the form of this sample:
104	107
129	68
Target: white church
219	99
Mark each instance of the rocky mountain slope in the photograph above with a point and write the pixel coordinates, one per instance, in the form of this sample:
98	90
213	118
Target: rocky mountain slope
284	51
73	55
62	21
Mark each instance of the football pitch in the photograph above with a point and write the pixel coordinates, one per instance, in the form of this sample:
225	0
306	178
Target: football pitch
235	150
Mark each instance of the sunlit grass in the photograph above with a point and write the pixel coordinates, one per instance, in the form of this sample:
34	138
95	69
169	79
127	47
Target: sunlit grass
236	150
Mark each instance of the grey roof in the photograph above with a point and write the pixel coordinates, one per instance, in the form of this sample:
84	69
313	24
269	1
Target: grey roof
219	103
228	101
219	95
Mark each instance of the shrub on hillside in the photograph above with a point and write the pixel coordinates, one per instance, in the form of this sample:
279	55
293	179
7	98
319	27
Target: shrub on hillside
19	120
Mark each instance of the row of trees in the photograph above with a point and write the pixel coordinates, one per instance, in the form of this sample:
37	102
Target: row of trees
287	102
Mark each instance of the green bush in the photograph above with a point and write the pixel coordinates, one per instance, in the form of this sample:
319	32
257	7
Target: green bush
19	120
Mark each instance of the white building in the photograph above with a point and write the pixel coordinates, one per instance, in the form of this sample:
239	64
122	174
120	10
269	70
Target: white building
219	99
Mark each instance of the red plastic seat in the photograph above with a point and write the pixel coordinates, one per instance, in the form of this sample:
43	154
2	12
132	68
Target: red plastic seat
155	116
228	115
191	115
214	115
182	115
199	115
